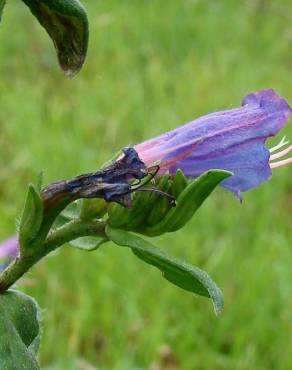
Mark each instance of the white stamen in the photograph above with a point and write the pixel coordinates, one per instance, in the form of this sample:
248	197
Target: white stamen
281	153
282	143
281	163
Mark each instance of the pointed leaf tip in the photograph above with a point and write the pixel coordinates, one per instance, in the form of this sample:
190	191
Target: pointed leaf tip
188	202
180	273
31	219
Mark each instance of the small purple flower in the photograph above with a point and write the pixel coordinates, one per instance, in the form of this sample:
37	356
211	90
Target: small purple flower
8	251
232	140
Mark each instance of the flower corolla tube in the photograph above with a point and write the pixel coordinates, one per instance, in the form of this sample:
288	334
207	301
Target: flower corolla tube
232	140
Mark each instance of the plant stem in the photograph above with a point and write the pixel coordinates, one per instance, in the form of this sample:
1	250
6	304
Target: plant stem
73	230
65	234
15	270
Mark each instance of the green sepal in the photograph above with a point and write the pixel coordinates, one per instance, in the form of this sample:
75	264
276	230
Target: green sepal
19	331
180	182
121	217
93	208
188	202
116	215
130	218
88	243
72	211
160	205
31	219
181	274
66	23
2	3
143	204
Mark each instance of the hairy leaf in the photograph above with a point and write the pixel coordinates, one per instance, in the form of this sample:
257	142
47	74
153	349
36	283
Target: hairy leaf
180	273
93	208
66	23
31	218
19	331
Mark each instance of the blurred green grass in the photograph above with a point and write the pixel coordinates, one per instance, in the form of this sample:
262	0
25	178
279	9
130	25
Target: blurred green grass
151	66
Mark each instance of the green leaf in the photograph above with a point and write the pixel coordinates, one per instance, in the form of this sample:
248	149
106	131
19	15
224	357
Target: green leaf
19	331
31	218
88	243
130	218
188	202
146	208
180	273
93	208
2	3
72	211
160	205
180	182
66	23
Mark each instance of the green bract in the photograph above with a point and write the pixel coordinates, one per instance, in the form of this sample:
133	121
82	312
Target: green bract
48	223
188	202
153	215
31	218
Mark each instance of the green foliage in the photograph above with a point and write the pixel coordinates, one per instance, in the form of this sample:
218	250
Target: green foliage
31	218
182	274
66	23
93	208
153	214
159	206
132	218
19	331
188	202
180	182
88	243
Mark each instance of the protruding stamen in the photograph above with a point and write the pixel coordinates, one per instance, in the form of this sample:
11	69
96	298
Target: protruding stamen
281	153
281	163
282	143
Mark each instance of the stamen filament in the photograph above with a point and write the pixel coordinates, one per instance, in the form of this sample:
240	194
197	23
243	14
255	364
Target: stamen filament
282	143
281	153
281	163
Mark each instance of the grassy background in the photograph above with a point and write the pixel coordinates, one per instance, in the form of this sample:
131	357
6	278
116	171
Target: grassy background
152	65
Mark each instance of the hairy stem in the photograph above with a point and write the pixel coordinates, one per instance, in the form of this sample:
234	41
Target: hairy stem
55	239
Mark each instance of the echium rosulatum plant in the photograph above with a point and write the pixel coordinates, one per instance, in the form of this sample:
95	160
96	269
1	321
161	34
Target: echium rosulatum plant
150	189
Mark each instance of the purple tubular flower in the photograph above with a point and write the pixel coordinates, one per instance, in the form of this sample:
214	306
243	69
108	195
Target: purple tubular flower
232	140
8	251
